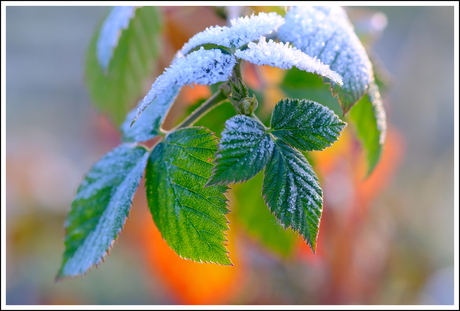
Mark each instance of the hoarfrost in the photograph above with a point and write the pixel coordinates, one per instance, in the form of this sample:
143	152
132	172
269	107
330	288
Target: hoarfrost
305	125
326	33
285	57
119	172
292	192
149	123
244	150
242	31
202	67
116	21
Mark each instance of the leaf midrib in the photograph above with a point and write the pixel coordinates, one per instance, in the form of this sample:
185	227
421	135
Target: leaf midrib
243	157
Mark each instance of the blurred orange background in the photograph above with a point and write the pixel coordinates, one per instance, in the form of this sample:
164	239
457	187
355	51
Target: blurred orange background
388	239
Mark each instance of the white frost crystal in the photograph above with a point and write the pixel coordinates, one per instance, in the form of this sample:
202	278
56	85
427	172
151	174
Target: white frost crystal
202	67
116	21
242	31
285	57
327	34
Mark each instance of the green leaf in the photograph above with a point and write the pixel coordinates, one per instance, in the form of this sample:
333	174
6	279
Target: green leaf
327	34
190	217
100	208
301	84
115	90
148	124
116	21
252	213
244	150
305	125
292	192
369	120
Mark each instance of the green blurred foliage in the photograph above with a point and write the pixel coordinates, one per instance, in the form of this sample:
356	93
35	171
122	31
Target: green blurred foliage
306	85
369	121
116	91
251	212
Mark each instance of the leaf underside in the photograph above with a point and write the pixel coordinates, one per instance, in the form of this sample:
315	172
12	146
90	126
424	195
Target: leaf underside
202	67
149	123
244	150
190	217
305	125
117	88
100	208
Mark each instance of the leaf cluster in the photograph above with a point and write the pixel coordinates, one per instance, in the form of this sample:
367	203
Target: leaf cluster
189	170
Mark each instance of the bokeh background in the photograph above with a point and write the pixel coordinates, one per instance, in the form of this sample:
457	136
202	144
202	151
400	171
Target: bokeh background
385	240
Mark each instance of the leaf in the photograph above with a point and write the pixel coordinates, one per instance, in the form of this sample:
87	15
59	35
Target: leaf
305	125
285	57
326	33
301	84
292	192
202	67
149	123
369	120
117	88
252	213
244	150
191	283
209	46
100	208
242	31
114	24
190	217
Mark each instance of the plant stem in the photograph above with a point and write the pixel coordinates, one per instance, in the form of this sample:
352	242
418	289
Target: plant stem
237	73
212	102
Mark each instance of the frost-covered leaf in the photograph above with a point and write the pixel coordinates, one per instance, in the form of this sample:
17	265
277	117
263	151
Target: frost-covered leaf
117	88
242	31
244	150
326	33
292	192
190	217
202	67
305	125
285	57
149	123
369	120
251	212
100	208
116	21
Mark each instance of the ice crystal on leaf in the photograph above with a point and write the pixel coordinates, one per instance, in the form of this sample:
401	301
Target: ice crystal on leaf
149	123
117	20
327	34
212	65
242	31
285	57
202	67
244	150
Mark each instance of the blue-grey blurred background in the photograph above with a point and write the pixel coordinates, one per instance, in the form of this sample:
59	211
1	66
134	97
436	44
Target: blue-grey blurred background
54	135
